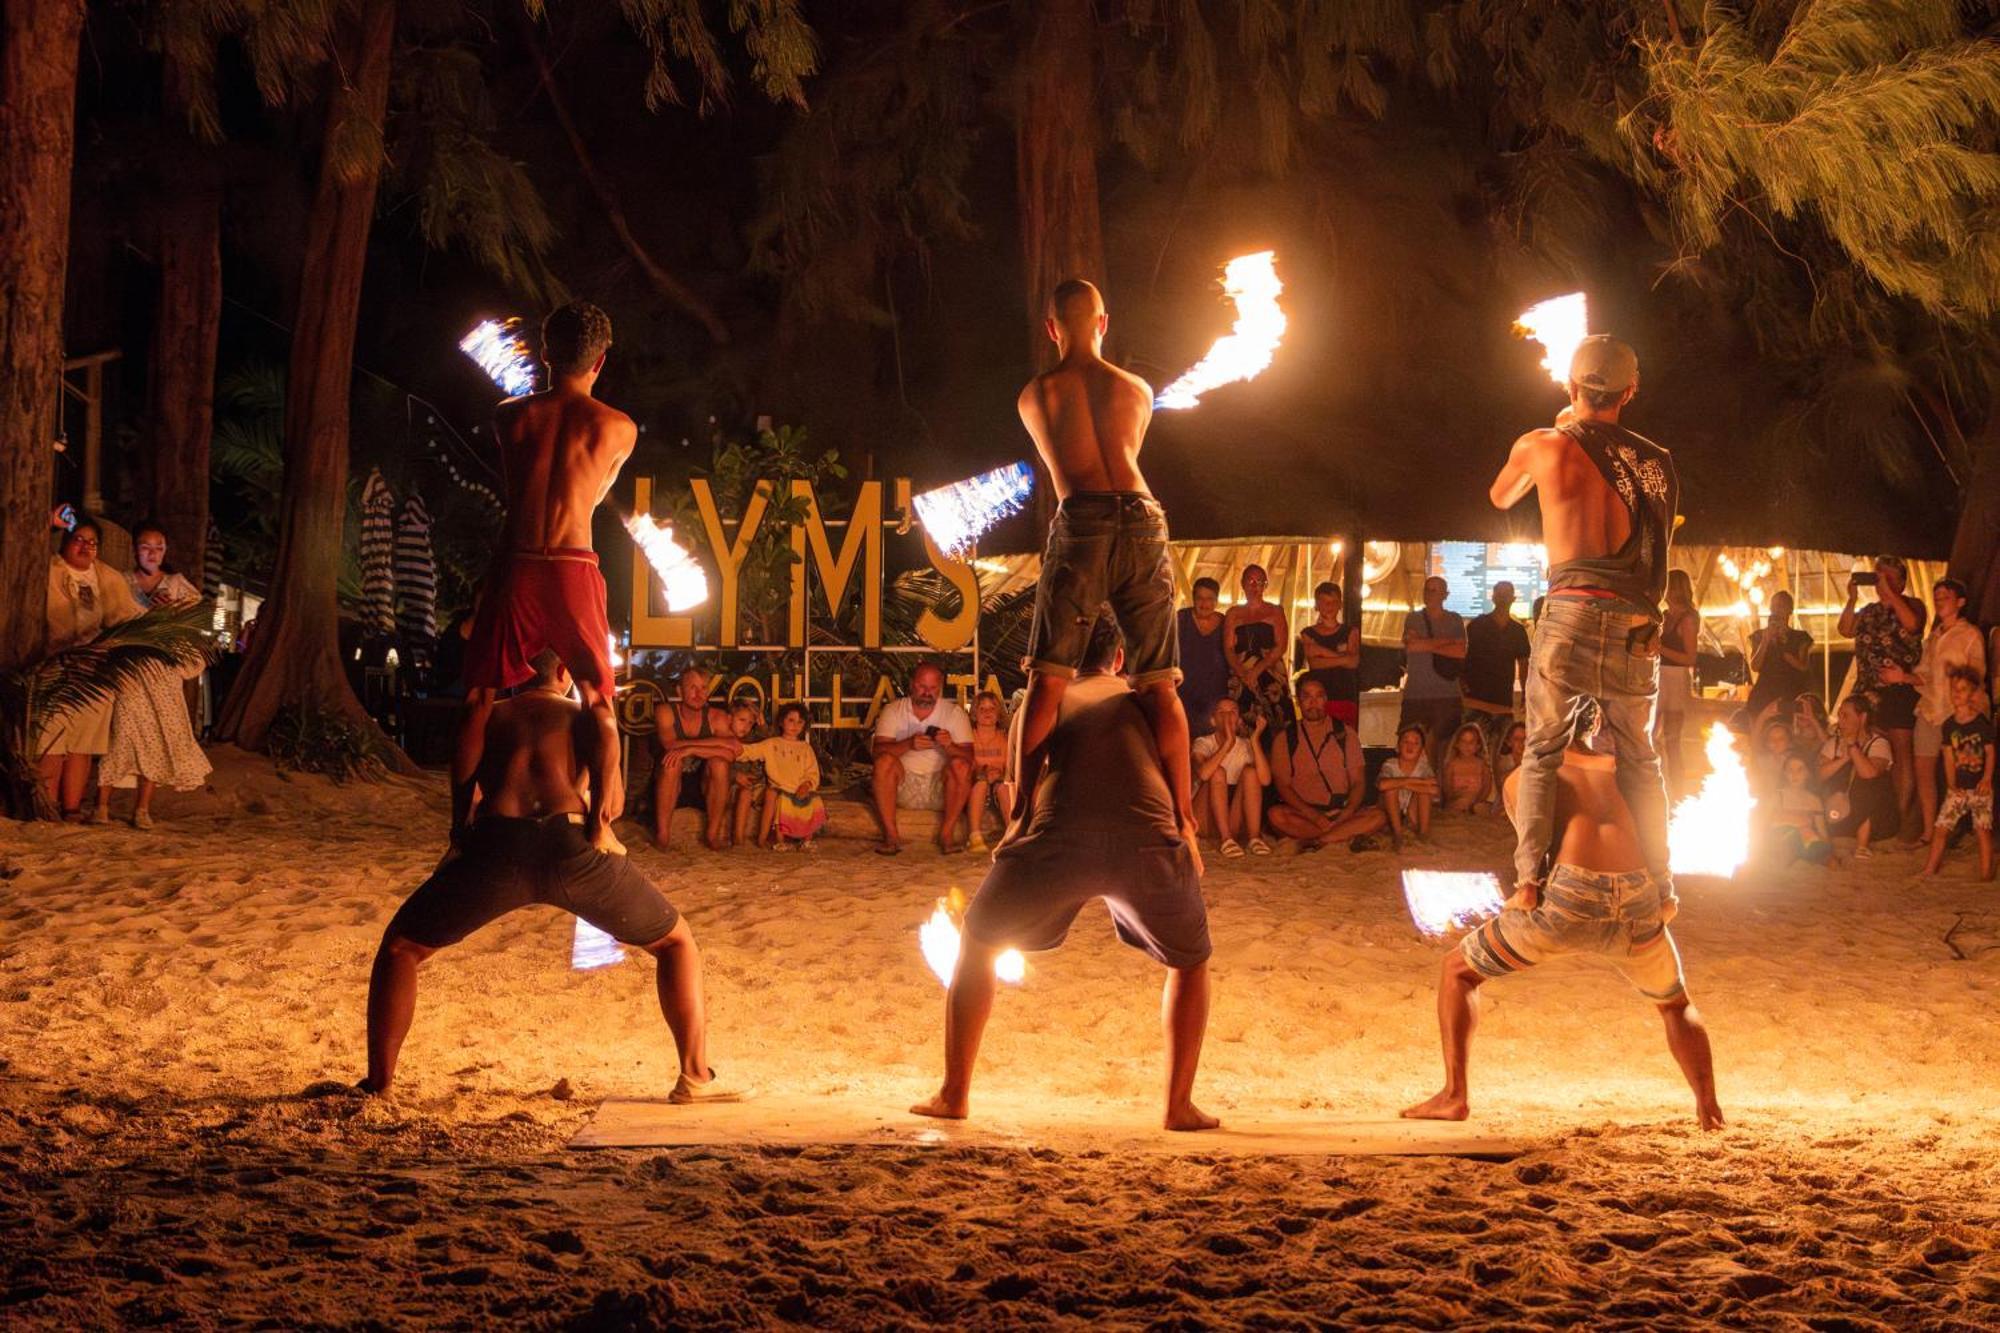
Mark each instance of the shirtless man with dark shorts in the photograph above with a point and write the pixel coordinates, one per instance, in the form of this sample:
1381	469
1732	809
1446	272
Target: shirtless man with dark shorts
1100	824
1599	899
525	843
1608	498
1108	543
560	451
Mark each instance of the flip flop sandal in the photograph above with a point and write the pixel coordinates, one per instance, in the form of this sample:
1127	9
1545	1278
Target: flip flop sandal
700	1094
1258	847
1231	848
884	850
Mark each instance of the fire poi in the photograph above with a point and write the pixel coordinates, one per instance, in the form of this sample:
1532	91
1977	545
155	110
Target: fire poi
1558	324
939	940
1251	283
1442	901
1709	833
497	347
683	578
958	515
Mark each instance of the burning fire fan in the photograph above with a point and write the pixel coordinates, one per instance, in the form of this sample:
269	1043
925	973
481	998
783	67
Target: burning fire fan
1251	283
1558	324
685	581
500	350
938	937
958	515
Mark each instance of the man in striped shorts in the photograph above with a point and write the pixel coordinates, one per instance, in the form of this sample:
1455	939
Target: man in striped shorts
1598	898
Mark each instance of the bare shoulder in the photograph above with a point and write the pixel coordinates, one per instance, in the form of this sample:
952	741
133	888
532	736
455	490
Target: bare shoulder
1132	382
1542	440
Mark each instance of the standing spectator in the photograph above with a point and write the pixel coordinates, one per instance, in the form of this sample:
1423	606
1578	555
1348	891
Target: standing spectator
1330	651
1259	639
1434	642
1953	643
1496	660
1680	645
1889	634
1230	775
1779	655
1854	773
86	597
695	745
923	759
1205	673
1968	751
152	739
1320	776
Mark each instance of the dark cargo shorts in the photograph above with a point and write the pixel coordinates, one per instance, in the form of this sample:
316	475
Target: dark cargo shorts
1038	884
1107	546
505	864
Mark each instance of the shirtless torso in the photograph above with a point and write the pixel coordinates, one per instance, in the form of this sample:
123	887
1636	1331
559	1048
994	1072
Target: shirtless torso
1088	419
560	452
1581	514
532	764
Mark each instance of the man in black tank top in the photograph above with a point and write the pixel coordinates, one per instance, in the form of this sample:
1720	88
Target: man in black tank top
1608	498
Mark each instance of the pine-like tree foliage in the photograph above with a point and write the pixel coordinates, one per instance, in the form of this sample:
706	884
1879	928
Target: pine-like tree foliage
782	48
284	41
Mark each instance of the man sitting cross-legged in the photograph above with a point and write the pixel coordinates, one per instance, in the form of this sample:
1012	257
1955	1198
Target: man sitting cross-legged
1598	899
1320	776
1101	823
527	841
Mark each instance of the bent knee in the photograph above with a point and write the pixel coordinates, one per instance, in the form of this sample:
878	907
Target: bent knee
403	947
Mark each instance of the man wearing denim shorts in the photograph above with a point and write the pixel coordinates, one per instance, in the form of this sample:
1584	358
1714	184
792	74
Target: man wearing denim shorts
1108	543
1608	498
1598	899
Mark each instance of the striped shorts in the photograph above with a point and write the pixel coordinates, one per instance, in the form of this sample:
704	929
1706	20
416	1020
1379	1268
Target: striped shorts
1585	912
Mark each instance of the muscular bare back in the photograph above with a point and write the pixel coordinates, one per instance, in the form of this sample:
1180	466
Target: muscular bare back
1088	419
560	451
1582	517
1594	828
531	765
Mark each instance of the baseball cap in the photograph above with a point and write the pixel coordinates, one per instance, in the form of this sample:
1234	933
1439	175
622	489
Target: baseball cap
1604	364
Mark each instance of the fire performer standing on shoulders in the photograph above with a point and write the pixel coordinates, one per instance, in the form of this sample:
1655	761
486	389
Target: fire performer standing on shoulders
526	844
1608	498
1100	825
1600	899
560	451
1108	543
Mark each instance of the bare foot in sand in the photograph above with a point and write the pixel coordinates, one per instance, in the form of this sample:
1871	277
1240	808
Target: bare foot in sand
1444	1106
1710	1116
1189	1118
942	1107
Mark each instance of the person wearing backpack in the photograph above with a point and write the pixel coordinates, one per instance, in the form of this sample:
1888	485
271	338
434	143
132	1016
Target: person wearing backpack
1320	778
1434	644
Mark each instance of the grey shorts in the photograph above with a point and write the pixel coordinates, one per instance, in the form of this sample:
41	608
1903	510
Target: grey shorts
1583	911
1038	884
1107	546
506	864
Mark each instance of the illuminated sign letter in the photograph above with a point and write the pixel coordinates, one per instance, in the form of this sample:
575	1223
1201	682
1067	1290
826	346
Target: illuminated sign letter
948	636
863	540
729	555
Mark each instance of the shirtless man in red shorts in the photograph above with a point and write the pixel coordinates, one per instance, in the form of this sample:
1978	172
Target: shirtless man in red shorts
560	451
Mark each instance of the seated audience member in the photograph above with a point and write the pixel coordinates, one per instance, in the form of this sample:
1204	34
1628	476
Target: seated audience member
1330	652
1467	786
1496	663
86	597
1513	746
748	786
1968	755
1434	646
1809	723
694	744
923	759
1205	673
1407	786
1854	776
1258	639
1775	744
1230	775
1320	777
152	737
1795	819
793	811
1953	643
989	768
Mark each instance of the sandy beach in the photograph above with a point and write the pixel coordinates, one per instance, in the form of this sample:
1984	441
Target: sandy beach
183	1014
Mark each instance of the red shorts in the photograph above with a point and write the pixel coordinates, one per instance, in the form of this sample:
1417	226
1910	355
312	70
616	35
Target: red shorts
536	600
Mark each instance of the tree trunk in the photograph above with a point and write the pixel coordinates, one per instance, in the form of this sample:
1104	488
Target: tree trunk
294	659
183	369
1055	159
39	40
1975	549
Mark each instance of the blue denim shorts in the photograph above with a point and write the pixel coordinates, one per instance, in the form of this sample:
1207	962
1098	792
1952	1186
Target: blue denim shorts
1615	916
1107	546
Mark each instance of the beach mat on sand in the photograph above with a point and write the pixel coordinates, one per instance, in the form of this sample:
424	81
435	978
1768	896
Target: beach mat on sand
807	1121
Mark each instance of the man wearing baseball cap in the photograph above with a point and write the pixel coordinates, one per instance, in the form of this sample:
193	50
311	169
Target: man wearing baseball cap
1608	498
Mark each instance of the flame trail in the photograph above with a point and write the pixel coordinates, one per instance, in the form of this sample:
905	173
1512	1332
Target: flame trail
592	948
1709	833
680	574
1558	324
500	351
1445	900
1251	283
938	938
957	515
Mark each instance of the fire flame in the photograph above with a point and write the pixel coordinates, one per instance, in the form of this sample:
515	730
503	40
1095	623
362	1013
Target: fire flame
1558	324
1251	283
1445	900
1709	833
591	948
503	354
938	937
685	582
957	515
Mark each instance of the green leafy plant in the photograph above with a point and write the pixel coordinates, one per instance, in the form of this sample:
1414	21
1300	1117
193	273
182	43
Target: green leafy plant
321	740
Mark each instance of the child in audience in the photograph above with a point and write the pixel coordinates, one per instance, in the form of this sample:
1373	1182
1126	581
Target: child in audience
1231	774
1468	776
1408	785
1513	747
989	768
1968	760
1767	771
1796	819
746	775
793	811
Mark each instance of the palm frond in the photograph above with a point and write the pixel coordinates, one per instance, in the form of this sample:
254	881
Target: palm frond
88	674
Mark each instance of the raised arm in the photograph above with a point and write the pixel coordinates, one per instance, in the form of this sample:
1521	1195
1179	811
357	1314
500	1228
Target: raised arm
1517	474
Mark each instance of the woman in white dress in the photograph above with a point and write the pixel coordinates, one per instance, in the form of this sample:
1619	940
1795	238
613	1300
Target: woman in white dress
152	740
86	597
